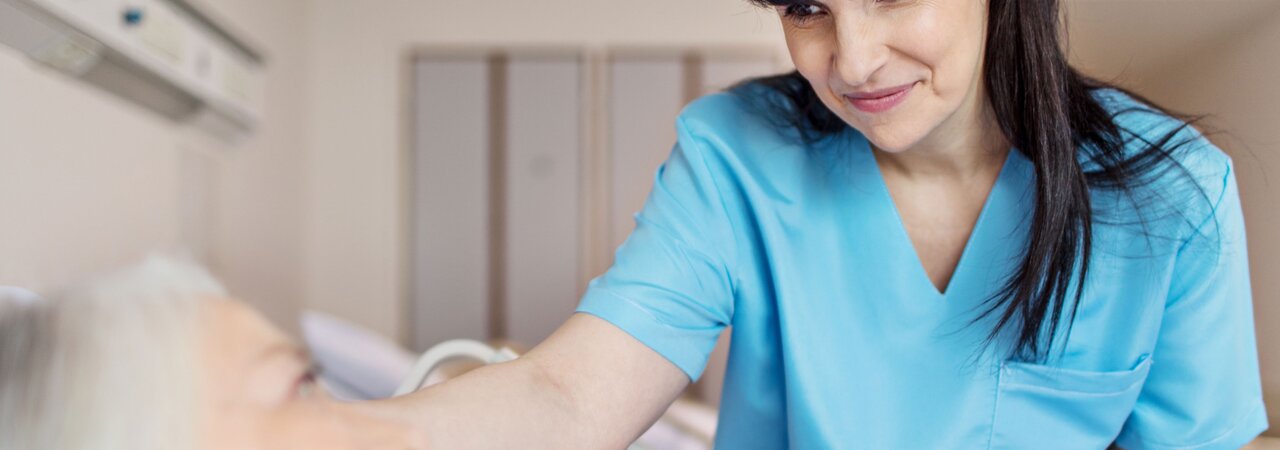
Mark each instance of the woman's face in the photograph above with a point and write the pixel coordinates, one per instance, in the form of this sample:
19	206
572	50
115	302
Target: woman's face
261	395
896	70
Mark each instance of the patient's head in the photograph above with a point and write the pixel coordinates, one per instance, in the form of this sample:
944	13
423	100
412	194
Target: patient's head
159	357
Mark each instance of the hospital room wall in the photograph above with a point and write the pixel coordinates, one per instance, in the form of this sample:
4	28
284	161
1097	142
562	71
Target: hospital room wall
256	243
357	228
89	181
1234	82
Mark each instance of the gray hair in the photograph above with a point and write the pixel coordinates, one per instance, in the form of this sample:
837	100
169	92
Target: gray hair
107	365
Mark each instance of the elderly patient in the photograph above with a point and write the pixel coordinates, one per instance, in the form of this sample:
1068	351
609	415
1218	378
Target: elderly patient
159	357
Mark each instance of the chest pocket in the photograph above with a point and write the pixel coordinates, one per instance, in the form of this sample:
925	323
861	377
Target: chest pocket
1045	407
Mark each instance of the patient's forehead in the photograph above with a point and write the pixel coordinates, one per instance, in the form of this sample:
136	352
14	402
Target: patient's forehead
232	322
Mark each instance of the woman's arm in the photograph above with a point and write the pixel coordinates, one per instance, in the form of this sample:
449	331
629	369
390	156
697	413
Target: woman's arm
590	385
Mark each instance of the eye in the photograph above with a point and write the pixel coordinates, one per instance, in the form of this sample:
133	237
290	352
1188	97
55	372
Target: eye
306	384
800	12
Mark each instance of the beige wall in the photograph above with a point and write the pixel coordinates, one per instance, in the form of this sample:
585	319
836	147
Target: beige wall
86	181
259	209
356	227
1235	82
89	181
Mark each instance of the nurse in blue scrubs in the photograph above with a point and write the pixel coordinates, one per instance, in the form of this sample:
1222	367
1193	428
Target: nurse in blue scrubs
935	234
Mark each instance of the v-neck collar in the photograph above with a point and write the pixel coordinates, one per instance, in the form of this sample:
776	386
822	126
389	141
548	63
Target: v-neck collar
995	238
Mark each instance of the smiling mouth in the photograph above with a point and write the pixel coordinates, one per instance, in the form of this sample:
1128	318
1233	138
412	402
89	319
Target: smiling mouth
880	101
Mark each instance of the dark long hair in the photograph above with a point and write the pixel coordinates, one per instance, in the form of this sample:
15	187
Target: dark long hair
1048	111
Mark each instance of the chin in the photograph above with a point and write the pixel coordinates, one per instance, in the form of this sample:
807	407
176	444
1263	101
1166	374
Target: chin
890	139
891	133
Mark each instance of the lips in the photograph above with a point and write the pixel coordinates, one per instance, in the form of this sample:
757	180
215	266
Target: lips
880	100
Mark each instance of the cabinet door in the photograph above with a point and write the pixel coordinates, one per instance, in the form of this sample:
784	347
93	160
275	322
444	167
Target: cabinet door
450	201
542	187
719	71
645	95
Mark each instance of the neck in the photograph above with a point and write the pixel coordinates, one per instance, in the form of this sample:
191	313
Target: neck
968	144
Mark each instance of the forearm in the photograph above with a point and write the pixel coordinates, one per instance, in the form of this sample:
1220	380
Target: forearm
509	405
590	385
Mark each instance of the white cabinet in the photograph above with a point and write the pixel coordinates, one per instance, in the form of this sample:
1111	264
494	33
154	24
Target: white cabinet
502	143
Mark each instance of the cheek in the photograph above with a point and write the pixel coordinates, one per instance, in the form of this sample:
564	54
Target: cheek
947	40
925	39
811	52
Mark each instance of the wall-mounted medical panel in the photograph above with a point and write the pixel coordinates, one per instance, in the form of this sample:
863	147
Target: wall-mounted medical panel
162	54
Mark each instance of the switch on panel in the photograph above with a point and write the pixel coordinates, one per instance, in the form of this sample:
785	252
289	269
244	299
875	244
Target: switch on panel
132	16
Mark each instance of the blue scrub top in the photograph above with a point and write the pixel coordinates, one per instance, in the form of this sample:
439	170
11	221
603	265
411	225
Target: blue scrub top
840	340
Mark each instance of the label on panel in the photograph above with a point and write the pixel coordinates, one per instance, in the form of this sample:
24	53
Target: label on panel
164	33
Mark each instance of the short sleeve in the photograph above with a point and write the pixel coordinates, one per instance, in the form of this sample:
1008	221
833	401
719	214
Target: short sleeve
1203	391
670	284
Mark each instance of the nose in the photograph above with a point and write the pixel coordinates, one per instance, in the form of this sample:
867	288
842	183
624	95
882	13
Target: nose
860	50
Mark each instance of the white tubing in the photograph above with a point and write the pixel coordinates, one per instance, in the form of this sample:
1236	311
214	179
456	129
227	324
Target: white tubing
450	350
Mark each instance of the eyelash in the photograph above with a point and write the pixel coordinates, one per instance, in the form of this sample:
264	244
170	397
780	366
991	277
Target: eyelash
793	11
307	382
313	373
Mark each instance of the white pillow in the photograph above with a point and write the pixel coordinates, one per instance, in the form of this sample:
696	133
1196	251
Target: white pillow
13	294
355	363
